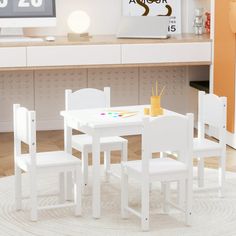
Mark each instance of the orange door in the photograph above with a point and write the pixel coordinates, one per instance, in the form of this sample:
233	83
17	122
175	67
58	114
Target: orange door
224	59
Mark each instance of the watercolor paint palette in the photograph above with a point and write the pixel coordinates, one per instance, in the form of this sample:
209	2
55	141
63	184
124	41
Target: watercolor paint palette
118	114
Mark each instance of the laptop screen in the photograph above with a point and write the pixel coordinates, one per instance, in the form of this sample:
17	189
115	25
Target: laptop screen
143	27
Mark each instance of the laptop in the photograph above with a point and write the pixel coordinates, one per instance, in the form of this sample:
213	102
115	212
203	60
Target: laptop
143	27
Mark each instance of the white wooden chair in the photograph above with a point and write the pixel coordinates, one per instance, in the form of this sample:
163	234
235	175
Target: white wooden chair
93	98
35	163
165	133
212	112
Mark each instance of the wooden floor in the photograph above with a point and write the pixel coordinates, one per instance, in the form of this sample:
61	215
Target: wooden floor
53	140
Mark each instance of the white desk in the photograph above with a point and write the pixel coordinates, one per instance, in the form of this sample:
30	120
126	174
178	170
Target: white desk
32	70
104	50
93	123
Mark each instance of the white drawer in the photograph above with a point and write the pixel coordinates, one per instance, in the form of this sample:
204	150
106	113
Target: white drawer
73	55
13	57
166	53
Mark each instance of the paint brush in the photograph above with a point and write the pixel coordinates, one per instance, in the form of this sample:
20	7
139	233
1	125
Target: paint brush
156	88
162	91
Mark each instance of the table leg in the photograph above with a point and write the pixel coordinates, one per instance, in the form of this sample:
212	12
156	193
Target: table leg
96	177
67	138
68	149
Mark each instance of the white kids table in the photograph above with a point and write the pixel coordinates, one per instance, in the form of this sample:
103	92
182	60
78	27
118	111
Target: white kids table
99	123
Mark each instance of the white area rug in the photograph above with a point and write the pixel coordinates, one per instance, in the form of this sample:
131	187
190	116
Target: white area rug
212	216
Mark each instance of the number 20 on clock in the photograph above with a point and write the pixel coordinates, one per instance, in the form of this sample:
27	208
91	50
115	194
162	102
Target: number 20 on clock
23	3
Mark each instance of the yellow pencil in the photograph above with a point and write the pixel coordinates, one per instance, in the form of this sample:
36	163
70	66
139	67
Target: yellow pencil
152	91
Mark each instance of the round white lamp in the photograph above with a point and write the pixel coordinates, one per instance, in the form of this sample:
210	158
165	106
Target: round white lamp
78	22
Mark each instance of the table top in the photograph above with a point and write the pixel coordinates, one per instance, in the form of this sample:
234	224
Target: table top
110	117
111	39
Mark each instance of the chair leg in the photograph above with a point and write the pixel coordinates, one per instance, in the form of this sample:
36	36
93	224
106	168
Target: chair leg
33	196
85	170
18	188
188	197
124	194
162	155
69	188
61	187
107	164
181	193
166	191
124	152
221	175
77	191
145	205
200	172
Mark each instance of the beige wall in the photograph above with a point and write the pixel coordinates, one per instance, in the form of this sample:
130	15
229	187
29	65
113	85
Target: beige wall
105	15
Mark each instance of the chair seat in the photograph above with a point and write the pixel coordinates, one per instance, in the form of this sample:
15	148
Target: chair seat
157	166
202	145
48	159
82	141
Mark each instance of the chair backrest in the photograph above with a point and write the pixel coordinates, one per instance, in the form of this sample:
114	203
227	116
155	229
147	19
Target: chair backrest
87	98
168	133
24	130
211	111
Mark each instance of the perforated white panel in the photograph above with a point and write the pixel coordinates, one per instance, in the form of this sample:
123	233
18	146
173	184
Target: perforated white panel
124	83
50	88
43	90
15	87
175	80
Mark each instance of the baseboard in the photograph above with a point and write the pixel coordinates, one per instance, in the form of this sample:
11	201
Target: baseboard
230	137
58	125
50	125
6	126
41	125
